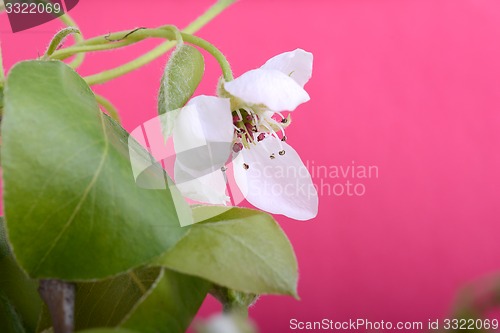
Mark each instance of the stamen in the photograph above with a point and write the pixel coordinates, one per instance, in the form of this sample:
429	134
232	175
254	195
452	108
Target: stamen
272	156
249	128
261	137
245	142
255	118
237	147
282	152
245	166
239	114
272	132
271	121
249	110
284	138
244	134
253	114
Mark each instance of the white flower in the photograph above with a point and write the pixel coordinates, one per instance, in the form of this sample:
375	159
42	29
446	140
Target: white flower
226	323
241	126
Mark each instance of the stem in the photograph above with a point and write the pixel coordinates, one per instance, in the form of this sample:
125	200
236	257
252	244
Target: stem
106	104
215	52
66	19
60	299
118	39
233	302
58	39
157	52
81	49
103	43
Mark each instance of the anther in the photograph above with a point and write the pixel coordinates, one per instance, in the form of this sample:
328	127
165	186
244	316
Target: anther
223	169
237	147
261	137
282	152
249	127
245	166
283	138
272	156
284	120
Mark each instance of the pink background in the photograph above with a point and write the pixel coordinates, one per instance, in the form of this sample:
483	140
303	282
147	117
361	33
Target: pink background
412	87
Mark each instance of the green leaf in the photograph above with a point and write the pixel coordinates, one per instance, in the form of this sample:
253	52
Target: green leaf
108	330
72	207
171	306
182	76
20	291
149	299
4	244
19	296
105	303
44	322
10	321
238	248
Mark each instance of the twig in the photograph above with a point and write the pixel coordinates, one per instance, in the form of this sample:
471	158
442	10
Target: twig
60	299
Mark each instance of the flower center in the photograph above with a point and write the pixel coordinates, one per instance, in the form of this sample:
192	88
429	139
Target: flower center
251	127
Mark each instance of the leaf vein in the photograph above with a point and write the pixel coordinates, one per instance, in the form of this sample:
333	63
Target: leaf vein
84	195
248	247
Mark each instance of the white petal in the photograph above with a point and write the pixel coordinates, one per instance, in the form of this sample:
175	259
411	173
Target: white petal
226	323
297	64
203	134
208	188
272	88
281	185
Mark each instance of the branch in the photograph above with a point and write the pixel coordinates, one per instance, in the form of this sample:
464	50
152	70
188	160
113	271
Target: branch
60	298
